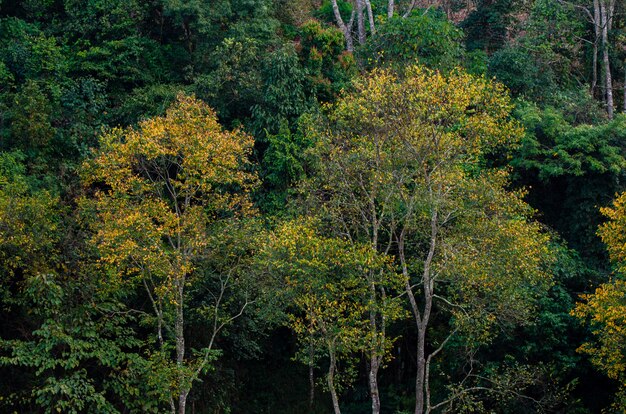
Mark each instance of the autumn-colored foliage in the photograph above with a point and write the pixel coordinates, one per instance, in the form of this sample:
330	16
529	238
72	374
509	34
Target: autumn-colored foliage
165	186
606	307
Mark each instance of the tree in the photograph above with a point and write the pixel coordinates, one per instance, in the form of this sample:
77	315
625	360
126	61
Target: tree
400	168
600	14
605	309
488	26
328	68
426	37
29	223
76	351
342	298
358	9
571	169
166	188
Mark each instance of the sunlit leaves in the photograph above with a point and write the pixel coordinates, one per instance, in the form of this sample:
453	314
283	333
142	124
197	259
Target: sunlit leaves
166	181
605	309
401	166
161	190
328	283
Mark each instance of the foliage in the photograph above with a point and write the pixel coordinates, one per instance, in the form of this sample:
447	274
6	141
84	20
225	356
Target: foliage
605	309
168	185
29	223
284	98
572	169
82	357
370	162
517	69
426	36
284	164
326	284
400	167
234	83
554	147
329	68
488	26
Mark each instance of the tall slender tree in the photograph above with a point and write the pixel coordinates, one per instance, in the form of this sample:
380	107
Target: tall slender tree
403	154
167	185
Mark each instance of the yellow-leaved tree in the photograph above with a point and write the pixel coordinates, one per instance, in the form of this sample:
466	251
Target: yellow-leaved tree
605	309
400	166
332	285
163	192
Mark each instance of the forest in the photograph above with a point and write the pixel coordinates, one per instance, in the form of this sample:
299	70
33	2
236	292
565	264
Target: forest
313	206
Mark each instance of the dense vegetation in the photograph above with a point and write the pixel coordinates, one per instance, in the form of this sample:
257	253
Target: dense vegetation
273	206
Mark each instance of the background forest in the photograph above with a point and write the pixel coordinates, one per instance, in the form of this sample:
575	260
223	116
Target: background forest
290	206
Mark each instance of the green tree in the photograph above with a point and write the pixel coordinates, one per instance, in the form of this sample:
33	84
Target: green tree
488	26
400	168
571	170
329	68
427	37
342	298
75	351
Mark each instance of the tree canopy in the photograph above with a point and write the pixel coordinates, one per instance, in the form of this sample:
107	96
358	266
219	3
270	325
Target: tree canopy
279	206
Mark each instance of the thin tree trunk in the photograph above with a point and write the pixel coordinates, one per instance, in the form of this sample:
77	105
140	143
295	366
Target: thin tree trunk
597	29
373	382
594	76
410	9
180	345
331	382
422	326
605	18
429	407
421	371
360	20
390	7
346	30
625	86
375	346
416	314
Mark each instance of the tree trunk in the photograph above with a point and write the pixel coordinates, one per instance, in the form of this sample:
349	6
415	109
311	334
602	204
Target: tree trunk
605	19
347	31
373	382
419	399
390	7
422	323
421	379
625	86
375	345
410	9
360	20
374	357
429	288
331	382
421	371
180	345
597	29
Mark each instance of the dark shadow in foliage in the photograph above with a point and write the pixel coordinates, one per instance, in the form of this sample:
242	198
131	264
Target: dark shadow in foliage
571	171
